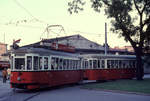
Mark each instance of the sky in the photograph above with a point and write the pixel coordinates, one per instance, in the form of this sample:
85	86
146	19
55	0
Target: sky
28	19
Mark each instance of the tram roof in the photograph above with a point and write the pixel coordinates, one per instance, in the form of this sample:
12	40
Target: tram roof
42	51
107	56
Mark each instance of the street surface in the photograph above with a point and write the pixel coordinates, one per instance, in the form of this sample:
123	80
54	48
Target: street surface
68	93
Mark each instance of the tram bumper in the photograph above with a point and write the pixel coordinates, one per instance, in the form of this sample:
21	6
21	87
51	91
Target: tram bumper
24	85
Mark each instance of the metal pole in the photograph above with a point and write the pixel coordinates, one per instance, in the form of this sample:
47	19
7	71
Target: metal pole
4	38
105	38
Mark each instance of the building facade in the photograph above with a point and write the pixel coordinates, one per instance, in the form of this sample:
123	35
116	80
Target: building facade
3	51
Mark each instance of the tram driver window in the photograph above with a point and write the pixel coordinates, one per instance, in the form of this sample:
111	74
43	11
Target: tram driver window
45	62
20	63
29	62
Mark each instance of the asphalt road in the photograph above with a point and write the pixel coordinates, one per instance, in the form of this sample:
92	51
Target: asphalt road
74	93
66	93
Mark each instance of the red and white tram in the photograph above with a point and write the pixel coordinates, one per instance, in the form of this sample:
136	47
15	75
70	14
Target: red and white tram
33	68
109	67
37	67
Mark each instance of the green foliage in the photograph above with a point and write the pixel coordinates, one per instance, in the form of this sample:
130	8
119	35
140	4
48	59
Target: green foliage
129	18
123	85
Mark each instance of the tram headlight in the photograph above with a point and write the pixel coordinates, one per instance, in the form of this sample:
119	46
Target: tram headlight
18	78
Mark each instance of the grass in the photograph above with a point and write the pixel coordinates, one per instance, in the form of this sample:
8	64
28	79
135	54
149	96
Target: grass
123	85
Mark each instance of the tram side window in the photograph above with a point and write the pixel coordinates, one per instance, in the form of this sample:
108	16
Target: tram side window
52	63
90	64
127	63
40	63
120	64
112	64
60	64
64	64
134	64
45	62
74	65
98	64
94	64
116	63
130	63
67	64
71	64
20	63
124	64
86	64
83	64
56	63
35	64
103	64
108	63
29	62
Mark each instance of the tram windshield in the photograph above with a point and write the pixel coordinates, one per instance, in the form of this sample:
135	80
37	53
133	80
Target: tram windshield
20	63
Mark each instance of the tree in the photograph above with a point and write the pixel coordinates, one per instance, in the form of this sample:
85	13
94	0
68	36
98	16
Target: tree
130	19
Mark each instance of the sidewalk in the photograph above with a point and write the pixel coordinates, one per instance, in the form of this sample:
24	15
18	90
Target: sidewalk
4	88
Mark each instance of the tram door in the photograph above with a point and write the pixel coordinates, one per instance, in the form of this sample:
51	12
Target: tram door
85	67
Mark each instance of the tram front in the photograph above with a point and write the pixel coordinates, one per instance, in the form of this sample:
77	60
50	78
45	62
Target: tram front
22	75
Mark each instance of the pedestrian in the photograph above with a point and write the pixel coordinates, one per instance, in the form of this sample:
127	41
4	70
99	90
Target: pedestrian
4	74
8	73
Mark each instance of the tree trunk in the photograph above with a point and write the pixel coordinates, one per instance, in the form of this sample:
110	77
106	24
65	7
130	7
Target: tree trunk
139	68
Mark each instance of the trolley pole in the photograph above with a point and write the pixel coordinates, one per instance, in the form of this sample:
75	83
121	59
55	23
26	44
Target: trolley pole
105	38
